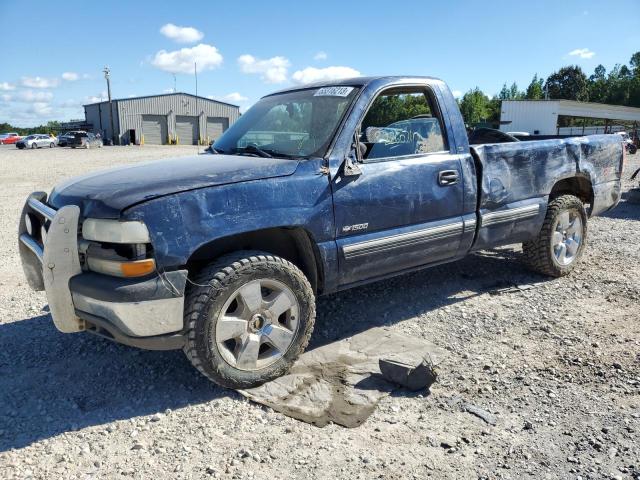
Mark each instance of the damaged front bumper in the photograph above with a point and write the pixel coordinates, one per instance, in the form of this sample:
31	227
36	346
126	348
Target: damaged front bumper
145	313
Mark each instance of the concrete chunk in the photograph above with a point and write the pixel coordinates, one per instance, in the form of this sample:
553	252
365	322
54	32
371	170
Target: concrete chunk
412	375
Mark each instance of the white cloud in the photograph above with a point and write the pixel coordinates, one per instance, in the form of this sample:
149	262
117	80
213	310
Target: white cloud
69	104
181	34
30	96
181	61
6	97
70	76
100	97
456	93
312	74
168	90
235	97
6	86
40	82
40	108
272	70
320	56
582	53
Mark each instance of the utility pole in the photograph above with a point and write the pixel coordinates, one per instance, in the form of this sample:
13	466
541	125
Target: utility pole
107	75
195	72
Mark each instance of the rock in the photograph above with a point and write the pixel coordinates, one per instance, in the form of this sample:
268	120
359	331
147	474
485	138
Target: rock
408	374
481	413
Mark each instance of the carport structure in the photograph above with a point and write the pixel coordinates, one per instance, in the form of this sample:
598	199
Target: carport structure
567	117
174	118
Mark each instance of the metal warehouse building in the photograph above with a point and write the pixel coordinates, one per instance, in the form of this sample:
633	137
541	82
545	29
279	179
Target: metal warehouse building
544	117
179	118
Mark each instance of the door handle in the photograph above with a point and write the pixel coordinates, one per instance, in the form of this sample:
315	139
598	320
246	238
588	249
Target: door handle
447	177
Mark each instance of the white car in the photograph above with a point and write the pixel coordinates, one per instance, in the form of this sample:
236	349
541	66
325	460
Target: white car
37	141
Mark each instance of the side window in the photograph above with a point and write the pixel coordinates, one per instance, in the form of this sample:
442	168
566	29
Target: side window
402	122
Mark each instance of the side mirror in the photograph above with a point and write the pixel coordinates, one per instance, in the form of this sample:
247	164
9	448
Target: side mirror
356	154
351	167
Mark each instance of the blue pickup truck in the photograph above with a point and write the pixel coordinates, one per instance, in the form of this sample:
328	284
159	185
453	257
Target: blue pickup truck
315	189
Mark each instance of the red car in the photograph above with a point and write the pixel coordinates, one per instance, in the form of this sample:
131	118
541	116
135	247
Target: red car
9	138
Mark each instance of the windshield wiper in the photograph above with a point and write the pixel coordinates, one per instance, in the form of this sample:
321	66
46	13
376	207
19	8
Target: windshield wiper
251	148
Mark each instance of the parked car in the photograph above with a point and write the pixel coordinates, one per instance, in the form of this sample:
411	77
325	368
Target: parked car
223	255
36	141
63	139
84	140
9	138
628	142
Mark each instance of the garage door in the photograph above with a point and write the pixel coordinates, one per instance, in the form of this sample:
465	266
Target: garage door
215	127
154	129
187	130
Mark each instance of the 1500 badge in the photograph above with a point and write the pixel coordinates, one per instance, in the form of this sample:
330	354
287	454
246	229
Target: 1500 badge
355	228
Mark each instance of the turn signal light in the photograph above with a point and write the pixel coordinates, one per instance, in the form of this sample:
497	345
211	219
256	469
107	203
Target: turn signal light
135	268
138	268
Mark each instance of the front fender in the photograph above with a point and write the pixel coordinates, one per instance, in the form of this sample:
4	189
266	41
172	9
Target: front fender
182	223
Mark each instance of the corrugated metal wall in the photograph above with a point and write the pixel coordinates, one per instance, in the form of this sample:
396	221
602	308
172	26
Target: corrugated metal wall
128	114
529	116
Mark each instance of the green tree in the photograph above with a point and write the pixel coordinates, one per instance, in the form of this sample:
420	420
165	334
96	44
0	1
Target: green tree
535	90
635	64
568	83
475	107
598	85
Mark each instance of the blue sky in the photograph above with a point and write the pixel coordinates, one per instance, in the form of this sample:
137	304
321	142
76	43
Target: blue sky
53	55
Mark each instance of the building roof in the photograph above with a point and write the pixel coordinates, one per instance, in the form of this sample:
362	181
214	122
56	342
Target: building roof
164	95
590	109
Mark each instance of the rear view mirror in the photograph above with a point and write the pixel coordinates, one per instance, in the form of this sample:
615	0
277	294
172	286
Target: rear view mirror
351	167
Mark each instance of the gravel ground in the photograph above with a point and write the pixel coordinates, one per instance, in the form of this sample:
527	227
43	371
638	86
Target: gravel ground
556	364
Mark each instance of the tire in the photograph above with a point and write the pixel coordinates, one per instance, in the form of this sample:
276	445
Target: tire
233	287
51	145
633	149
559	245
34	145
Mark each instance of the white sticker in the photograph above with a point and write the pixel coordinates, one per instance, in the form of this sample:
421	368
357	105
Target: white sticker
333	92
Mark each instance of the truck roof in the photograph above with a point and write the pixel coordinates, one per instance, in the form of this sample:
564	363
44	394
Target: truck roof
359	82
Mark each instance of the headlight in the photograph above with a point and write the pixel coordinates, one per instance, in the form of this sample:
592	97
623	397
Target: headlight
114	231
124	259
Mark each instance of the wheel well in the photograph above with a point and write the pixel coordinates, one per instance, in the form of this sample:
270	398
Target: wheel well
293	244
577	186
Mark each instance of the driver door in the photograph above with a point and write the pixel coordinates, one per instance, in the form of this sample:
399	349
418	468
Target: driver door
404	209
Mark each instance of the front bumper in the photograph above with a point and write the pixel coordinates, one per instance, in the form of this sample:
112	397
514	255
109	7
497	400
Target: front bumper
147	312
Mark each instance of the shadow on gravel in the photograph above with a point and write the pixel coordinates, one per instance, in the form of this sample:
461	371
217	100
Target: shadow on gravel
628	208
391	301
51	383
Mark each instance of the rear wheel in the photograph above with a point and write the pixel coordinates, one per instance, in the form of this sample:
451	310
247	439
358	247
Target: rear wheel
249	318
51	145
561	241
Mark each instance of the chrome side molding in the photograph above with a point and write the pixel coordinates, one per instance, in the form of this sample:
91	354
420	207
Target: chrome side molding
510	215
417	237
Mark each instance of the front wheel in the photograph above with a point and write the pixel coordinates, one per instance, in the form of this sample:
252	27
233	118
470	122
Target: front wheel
248	319
559	245
34	145
51	145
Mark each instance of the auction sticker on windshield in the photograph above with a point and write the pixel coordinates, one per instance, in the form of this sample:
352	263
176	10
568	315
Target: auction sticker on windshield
333	92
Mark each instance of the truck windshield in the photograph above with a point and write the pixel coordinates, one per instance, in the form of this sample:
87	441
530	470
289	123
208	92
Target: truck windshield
296	124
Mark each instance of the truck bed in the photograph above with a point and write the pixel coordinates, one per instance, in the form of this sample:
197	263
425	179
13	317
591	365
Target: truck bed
516	179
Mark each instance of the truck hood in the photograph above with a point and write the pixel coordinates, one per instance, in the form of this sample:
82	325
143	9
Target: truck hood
107	193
